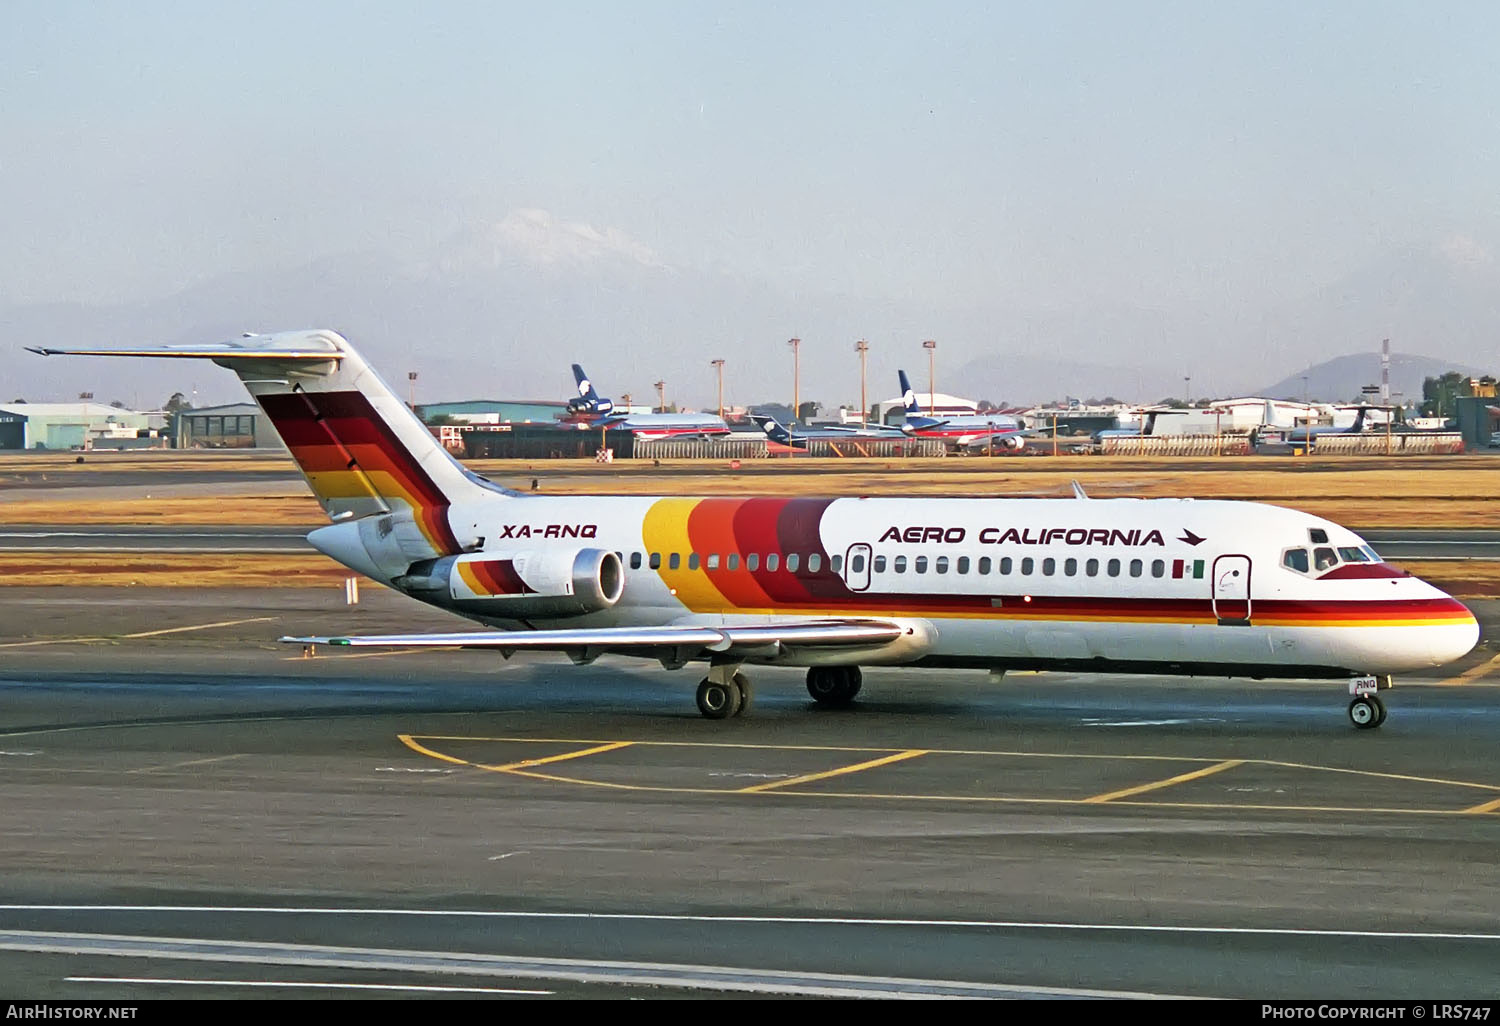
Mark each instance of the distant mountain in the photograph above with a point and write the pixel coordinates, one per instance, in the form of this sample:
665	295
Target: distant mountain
1342	378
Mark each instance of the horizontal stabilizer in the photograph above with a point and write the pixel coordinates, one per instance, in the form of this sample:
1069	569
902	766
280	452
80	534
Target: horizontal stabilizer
240	349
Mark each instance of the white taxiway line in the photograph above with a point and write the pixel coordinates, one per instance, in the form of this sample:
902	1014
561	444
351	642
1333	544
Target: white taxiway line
294	984
962	924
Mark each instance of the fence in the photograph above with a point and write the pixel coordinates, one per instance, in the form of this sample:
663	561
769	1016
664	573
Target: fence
1376	443
1176	445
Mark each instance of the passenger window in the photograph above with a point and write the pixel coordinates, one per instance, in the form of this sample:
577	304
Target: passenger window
1114	568
1352	555
900	565
772	561
879	564
635	561
1070	567
1324	559
1049	565
814	563
793	561
1158	568
857	564
734	561
674	560
1091	568
1026	565
1005	565
1136	567
713	561
752	562
656	560
692	560
984	564
940	565
920	564
963	564
836	563
1295	559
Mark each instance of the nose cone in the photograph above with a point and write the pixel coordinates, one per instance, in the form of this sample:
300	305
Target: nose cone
1454	640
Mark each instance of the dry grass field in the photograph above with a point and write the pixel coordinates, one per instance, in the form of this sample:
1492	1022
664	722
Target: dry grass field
1361	492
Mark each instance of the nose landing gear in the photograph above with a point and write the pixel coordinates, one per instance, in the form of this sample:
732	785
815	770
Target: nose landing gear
1367	711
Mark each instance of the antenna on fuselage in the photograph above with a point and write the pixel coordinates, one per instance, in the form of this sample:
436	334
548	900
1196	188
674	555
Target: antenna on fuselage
1078	492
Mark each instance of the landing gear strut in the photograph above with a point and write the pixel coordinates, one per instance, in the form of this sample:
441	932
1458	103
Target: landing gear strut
1367	711
834	686
725	692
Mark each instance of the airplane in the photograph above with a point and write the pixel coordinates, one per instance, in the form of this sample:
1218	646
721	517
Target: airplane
1311	432
967	431
799	437
1153	586
590	409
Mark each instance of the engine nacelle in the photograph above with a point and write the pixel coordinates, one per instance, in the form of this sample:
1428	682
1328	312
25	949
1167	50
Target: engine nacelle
521	584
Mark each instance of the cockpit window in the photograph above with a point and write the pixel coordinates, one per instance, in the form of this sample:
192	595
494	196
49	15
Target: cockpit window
1350	554
1317	536
1324	559
1374	556
1295	559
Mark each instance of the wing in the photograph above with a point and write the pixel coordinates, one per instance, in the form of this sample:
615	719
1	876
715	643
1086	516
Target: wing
672	645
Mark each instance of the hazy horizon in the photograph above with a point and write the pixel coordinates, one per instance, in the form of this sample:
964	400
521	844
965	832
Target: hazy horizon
489	192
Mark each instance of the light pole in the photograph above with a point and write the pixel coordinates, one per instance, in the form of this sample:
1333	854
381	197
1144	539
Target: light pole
661	397
411	389
863	349
625	398
796	344
719	366
931	347
1187	389
1304	388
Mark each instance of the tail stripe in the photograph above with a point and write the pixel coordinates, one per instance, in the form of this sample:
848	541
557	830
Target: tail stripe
345	447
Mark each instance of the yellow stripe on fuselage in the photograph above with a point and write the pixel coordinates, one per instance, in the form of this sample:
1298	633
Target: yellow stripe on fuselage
665	530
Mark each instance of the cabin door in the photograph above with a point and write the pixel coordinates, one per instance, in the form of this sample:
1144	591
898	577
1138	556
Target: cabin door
857	567
1230	581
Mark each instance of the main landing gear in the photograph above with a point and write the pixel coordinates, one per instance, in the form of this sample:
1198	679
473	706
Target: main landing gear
833	686
1366	710
725	692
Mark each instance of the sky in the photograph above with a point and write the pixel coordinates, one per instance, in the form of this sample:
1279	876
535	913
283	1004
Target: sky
1211	161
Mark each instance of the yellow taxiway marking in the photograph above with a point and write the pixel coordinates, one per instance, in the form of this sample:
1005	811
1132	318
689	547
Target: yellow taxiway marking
198	627
190	762
1117	798
1157	785
344	654
528	763
857	767
141	634
1472	673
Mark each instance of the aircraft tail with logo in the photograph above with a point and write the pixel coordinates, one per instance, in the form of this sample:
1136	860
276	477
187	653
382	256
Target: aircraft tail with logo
363	451
588	400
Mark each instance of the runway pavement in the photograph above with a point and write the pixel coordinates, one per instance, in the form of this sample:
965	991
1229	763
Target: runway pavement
190	809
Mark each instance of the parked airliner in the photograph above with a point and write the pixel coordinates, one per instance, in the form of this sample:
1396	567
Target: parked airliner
975	430
1158	586
798	438
597	411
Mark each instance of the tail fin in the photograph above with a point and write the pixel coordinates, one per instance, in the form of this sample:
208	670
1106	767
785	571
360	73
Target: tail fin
588	401
361	449
907	395
773	429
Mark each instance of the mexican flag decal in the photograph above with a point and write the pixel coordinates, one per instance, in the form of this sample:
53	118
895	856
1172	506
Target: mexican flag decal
1187	568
